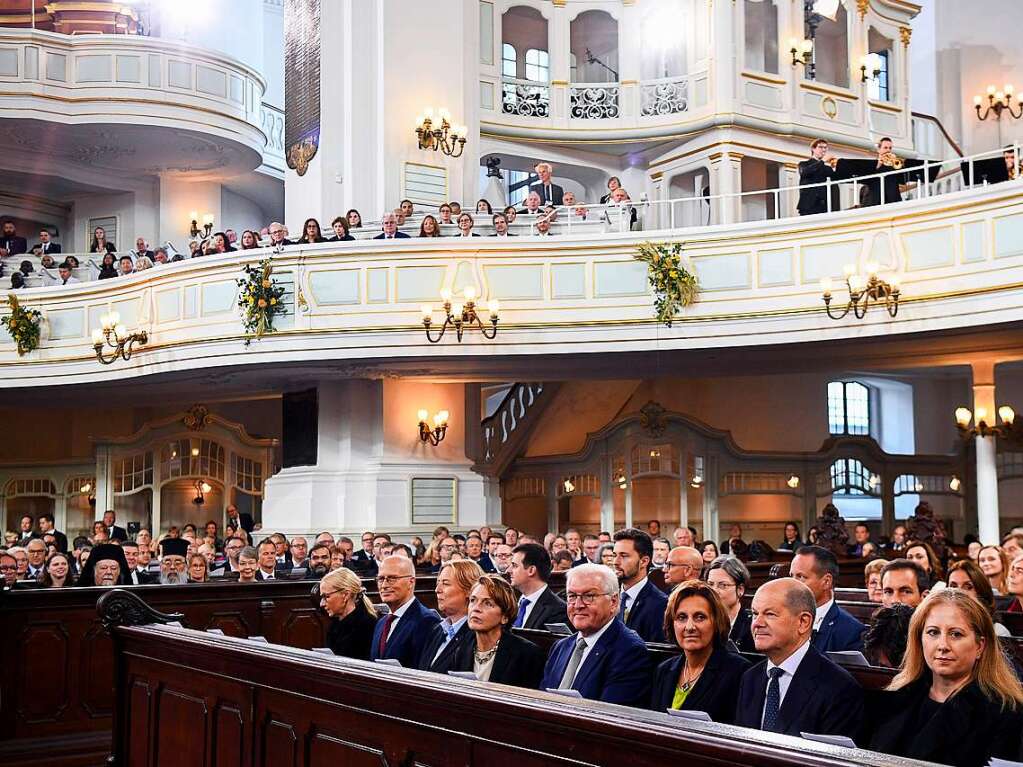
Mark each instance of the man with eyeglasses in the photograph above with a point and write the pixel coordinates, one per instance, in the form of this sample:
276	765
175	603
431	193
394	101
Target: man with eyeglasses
604	660
1014	583
446	548
404	631
8	570
502	558
684	564
232	548
364	556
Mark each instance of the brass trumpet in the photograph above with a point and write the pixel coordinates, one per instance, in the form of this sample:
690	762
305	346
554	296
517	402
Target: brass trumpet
891	160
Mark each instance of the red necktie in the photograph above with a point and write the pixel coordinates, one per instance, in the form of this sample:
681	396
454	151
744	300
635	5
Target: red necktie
383	635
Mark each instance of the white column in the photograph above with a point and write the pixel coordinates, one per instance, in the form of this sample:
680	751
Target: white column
559	39
710	498
629	59
726	174
987	491
724	55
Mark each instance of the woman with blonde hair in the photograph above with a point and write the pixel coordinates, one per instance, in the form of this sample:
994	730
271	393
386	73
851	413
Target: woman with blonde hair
872	578
956	700
352	617
454	583
995	565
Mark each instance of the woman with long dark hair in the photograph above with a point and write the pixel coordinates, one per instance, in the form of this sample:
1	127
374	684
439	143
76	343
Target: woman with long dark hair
311	232
99	242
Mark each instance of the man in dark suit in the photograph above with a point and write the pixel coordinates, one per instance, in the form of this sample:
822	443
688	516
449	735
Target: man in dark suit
604	660
500	222
239	521
45	244
550	193
833	628
816	170
25	531
46	527
266	554
642	604
116	533
10	243
796	689
443	648
403	633
861	536
529	572
364	556
277	235
474	550
389	223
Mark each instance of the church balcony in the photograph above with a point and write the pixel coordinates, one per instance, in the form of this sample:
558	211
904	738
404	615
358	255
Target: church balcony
129	105
357	305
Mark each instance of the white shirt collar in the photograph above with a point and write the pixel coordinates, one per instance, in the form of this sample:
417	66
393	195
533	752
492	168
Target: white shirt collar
593	638
535	595
634	592
822	610
401	610
791	663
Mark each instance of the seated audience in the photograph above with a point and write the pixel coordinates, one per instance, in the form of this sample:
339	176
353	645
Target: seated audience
35	551
311	232
708	553
454	584
483	206
543	227
406	207
221	244
45	244
10	243
574	208
198	568
279	235
510	213
872	580
923	555
796	689
956	699
994	564
354	219
500	222
967	576
142	264
1012	545
533	205
406	629
706	676
160	257
834	628
106	566
456	208
429	227
529	572
619	215
174	561
445	212
884	644
125	266
730	578
612	183
1014	583
57	572
545	188
684	563
99	242
8	569
340	227
352	617
604	660
465	225
142	249
903	582
790	539
861	535
563	561
389	225
642	604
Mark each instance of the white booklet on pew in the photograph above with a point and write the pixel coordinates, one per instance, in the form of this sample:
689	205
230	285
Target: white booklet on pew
259	639
566	693
699	716
561	629
215	631
996	762
389	662
464	675
175	624
834	740
323	650
848	657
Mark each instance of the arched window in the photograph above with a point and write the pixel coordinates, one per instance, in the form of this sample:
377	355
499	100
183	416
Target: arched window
880	88
508	60
831	49
537	65
761	26
594	41
850	477
848	408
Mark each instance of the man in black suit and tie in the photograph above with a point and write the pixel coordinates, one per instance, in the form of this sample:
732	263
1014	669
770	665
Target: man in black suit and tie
403	633
266	554
833	628
444	646
25	531
816	170
46	527
45	244
116	533
389	223
277	235
642	604
362	558
796	689
10	243
550	193
239	521
529	572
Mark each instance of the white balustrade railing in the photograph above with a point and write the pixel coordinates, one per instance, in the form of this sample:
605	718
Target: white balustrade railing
271	120
665	96
525	98
594	101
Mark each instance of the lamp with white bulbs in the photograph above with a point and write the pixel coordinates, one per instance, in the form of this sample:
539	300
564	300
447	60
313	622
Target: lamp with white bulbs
115	336
998	101
437	133
461	316
440	427
964	417
864	289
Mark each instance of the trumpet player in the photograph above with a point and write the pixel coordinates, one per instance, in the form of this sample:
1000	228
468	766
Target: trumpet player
817	170
887	161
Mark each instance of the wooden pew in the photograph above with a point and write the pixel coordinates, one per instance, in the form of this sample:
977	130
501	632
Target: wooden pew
191	698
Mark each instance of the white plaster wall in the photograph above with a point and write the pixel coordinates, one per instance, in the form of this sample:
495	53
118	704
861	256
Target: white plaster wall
272	67
234	27
239	213
122	205
178	200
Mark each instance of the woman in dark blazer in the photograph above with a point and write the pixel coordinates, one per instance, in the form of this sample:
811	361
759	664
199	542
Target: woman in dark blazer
353	618
960	710
706	676
340	227
494	653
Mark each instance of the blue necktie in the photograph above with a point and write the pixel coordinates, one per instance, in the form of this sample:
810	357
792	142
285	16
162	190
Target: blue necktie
773	704
521	617
624	608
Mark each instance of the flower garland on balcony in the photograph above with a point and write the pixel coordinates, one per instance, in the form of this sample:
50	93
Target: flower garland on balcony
260	300
675	287
23	325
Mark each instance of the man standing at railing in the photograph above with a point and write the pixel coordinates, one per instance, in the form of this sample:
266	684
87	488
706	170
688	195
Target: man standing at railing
816	170
550	193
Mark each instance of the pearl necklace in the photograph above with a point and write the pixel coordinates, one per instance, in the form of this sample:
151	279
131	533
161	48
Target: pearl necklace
484	657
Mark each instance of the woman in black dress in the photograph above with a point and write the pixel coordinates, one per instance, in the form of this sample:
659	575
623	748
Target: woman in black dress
353	618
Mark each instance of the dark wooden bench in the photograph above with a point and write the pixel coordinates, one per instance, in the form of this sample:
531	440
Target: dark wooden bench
191	698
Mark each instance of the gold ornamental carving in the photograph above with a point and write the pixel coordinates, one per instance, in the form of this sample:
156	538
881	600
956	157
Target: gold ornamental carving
862	6
829	107
196	418
904	34
653	418
301	154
